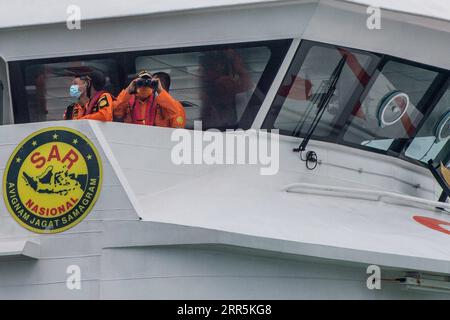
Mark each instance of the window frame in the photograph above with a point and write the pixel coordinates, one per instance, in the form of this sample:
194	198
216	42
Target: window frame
431	98
294	68
126	65
398	149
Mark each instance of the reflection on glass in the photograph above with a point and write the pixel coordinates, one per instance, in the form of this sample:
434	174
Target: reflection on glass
405	83
393	108
433	136
215	85
300	91
47	86
380	103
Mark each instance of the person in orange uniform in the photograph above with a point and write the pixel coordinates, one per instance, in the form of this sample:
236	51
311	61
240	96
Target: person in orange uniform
94	102
146	102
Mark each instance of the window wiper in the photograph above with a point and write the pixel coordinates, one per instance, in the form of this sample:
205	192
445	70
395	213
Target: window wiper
315	98
324	101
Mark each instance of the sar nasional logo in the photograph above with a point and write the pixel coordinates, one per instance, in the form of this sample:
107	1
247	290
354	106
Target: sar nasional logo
52	180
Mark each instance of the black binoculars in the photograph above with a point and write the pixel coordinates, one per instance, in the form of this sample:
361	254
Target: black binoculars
151	83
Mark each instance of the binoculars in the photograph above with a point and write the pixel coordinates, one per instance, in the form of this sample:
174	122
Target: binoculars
151	83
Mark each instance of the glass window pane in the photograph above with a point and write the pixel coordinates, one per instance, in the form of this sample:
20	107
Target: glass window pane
389	110
214	86
47	86
299	92
223	87
434	133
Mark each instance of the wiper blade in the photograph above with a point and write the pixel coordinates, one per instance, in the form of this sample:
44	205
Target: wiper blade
324	101
315	99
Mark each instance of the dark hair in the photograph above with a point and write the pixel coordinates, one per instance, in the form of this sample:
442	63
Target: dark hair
213	59
164	78
98	79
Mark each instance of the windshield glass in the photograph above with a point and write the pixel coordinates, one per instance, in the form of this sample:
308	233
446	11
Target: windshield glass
391	108
299	95
431	141
382	103
221	85
217	84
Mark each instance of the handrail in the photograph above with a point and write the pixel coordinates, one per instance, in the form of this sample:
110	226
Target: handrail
376	195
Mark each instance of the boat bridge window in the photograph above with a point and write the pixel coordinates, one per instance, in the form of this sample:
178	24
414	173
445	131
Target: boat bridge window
381	103
298	97
46	85
431	141
223	86
377	124
214	86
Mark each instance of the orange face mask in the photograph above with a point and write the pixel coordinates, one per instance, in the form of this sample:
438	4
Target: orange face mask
144	92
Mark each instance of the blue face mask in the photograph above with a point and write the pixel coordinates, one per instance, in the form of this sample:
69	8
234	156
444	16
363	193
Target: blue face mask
75	91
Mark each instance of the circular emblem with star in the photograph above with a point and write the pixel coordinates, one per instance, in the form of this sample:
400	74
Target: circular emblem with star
52	180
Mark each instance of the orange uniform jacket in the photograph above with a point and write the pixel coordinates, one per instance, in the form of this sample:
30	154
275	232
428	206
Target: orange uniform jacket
169	112
77	108
102	109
